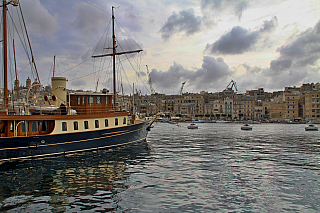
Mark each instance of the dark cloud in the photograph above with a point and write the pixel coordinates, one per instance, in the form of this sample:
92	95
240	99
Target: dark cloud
280	64
185	21
240	40
252	70
89	21
40	21
218	6
237	41
269	26
240	8
213	70
303	50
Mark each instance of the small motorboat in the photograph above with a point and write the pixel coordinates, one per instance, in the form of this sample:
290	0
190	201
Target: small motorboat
193	126
311	127
246	127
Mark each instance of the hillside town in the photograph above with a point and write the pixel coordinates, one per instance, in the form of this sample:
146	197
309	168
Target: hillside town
293	104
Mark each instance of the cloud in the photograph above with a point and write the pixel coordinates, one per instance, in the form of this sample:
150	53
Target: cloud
79	83
303	50
88	21
218	6
185	21
252	70
213	70
240	40
280	64
40	21
269	26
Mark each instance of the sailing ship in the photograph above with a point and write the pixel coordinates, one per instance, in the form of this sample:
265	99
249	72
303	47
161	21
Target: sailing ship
70	122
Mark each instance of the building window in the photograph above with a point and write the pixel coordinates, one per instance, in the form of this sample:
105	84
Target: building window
106	124
86	125
79	99
35	126
124	120
90	101
83	100
116	121
75	125
64	126
98	100
96	123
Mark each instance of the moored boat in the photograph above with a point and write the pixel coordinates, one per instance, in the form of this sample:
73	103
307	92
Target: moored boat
193	126
311	127
246	127
68	122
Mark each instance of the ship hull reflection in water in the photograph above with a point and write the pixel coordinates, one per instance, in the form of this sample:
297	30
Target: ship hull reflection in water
83	181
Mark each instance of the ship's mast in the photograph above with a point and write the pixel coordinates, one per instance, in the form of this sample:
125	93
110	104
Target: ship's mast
5	54
114	60
114	54
5	49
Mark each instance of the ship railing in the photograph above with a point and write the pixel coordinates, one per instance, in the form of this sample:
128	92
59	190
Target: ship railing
20	109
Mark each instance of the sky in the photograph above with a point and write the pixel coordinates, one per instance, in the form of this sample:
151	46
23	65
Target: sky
205	43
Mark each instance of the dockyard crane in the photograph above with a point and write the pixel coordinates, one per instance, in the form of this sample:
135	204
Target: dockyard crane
183	83
233	84
149	81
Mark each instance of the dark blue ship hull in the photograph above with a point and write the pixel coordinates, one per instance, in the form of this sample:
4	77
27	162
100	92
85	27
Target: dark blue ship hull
15	148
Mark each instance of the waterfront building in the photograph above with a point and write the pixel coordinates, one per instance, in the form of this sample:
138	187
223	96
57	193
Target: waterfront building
244	107
312	105
292	101
291	104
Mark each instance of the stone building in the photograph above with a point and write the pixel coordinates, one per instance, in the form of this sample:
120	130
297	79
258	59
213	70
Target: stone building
312	105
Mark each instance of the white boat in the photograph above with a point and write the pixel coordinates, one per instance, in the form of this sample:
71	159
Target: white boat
246	127
311	127
193	126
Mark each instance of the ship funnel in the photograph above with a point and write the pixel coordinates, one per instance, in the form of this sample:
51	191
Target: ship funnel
59	90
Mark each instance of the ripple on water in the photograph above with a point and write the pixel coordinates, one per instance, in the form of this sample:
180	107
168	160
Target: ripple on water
218	167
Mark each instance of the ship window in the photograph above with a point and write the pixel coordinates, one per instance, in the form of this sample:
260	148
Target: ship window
35	126
12	126
124	120
90	101
116	121
24	125
86	125
64	126
106	123
2	130
75	125
83	100
96	123
79	99
44	126
98	100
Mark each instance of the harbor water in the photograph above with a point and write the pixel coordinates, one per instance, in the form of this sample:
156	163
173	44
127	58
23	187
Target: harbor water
216	168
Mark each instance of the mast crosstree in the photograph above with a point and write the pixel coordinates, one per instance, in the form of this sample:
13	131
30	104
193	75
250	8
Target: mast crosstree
114	54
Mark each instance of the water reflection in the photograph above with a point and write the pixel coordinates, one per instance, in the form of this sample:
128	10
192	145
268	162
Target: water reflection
83	181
